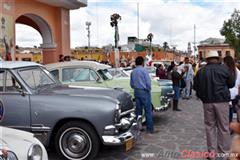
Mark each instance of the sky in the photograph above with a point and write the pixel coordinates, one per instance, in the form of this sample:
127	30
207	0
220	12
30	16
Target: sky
168	20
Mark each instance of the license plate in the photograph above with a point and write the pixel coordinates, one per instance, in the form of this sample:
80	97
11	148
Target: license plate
129	144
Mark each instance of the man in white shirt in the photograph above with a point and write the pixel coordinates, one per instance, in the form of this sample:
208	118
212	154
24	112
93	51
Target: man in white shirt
188	77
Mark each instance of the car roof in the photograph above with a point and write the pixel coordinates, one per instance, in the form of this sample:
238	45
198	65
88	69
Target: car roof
17	64
91	64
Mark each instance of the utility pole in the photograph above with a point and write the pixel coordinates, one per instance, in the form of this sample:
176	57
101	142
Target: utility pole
88	24
194	49
138	20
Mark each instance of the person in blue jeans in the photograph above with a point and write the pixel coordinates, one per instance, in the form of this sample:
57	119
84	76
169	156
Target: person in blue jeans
176	79
141	83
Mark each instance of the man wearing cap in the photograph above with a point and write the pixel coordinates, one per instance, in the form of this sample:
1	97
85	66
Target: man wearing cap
212	84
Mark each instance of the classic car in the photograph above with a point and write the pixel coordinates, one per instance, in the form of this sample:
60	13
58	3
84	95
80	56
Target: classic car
119	72
76	120
165	84
20	145
165	63
90	73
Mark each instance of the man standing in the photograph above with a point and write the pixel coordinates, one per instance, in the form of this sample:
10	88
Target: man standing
212	84
188	77
141	83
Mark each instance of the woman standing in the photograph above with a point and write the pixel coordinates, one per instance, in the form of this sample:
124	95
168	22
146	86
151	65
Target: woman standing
176	79
161	72
229	62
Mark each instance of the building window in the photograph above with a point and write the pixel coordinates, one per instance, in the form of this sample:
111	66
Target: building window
228	53
220	53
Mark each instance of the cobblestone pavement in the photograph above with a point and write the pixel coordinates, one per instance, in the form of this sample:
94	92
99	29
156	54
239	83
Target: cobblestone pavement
178	131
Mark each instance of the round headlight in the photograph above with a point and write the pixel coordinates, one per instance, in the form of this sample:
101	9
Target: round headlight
35	152
12	156
5	154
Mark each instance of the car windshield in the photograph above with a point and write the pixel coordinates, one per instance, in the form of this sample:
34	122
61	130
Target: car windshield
115	72
105	74
151	69
36	78
78	75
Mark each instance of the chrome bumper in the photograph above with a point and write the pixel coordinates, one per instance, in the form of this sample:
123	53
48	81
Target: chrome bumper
165	104
133	132
170	94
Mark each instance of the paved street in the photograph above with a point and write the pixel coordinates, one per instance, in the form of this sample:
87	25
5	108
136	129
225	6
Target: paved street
177	131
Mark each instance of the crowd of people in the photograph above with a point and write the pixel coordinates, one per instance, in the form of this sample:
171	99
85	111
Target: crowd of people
216	82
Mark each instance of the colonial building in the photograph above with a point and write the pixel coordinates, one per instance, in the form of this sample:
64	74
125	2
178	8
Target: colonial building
215	44
51	18
28	54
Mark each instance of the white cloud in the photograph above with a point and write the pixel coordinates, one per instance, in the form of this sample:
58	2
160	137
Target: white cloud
27	36
168	20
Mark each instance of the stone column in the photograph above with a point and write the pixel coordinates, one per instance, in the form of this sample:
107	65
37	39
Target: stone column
49	53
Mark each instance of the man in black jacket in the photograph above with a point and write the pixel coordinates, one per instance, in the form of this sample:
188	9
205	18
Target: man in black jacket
212	84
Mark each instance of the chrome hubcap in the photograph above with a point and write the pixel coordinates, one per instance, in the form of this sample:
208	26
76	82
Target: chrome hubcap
75	143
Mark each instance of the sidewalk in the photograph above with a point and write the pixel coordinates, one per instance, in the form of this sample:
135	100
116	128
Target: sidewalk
178	132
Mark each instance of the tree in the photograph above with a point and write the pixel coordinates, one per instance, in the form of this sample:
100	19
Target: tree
231	31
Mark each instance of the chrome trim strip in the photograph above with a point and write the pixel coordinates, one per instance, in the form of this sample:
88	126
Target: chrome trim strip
127	112
40	128
19	127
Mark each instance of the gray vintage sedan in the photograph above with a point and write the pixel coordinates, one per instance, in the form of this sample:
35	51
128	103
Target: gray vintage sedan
76	120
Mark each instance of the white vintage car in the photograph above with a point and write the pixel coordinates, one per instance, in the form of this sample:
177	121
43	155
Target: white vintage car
20	145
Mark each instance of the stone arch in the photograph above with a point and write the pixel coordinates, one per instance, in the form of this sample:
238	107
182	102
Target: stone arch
41	26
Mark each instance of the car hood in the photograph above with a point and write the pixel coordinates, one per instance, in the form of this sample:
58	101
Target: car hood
12	135
124	83
165	82
124	98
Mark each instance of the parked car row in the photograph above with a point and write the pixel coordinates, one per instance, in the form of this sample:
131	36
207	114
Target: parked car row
76	108
75	120
90	73
165	84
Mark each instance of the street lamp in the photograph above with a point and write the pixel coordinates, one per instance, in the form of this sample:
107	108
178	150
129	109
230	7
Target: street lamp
88	24
114	23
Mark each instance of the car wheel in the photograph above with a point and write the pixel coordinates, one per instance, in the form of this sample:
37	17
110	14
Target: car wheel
77	141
